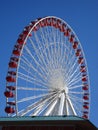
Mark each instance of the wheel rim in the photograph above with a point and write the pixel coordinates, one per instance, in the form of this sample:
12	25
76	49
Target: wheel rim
48	72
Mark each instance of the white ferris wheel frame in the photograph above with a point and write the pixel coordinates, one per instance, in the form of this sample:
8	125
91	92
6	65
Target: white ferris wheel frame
63	96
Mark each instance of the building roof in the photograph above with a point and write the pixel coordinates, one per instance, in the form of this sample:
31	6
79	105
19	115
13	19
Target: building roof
47	120
39	118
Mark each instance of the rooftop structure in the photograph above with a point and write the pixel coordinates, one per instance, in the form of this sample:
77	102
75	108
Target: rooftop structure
39	123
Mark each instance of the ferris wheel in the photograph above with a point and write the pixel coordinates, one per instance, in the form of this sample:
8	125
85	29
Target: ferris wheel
47	72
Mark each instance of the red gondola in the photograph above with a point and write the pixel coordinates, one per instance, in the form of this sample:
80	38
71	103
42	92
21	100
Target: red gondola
14	59
62	27
22	36
54	24
19	47
20	41
8	94
9	110
13	65
82	69
86	106
58	23
28	28
33	22
49	21
12	72
85	116
84	78
78	52
10	79
75	45
25	32
85	97
35	28
42	24
85	87
71	39
16	52
67	32
80	60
